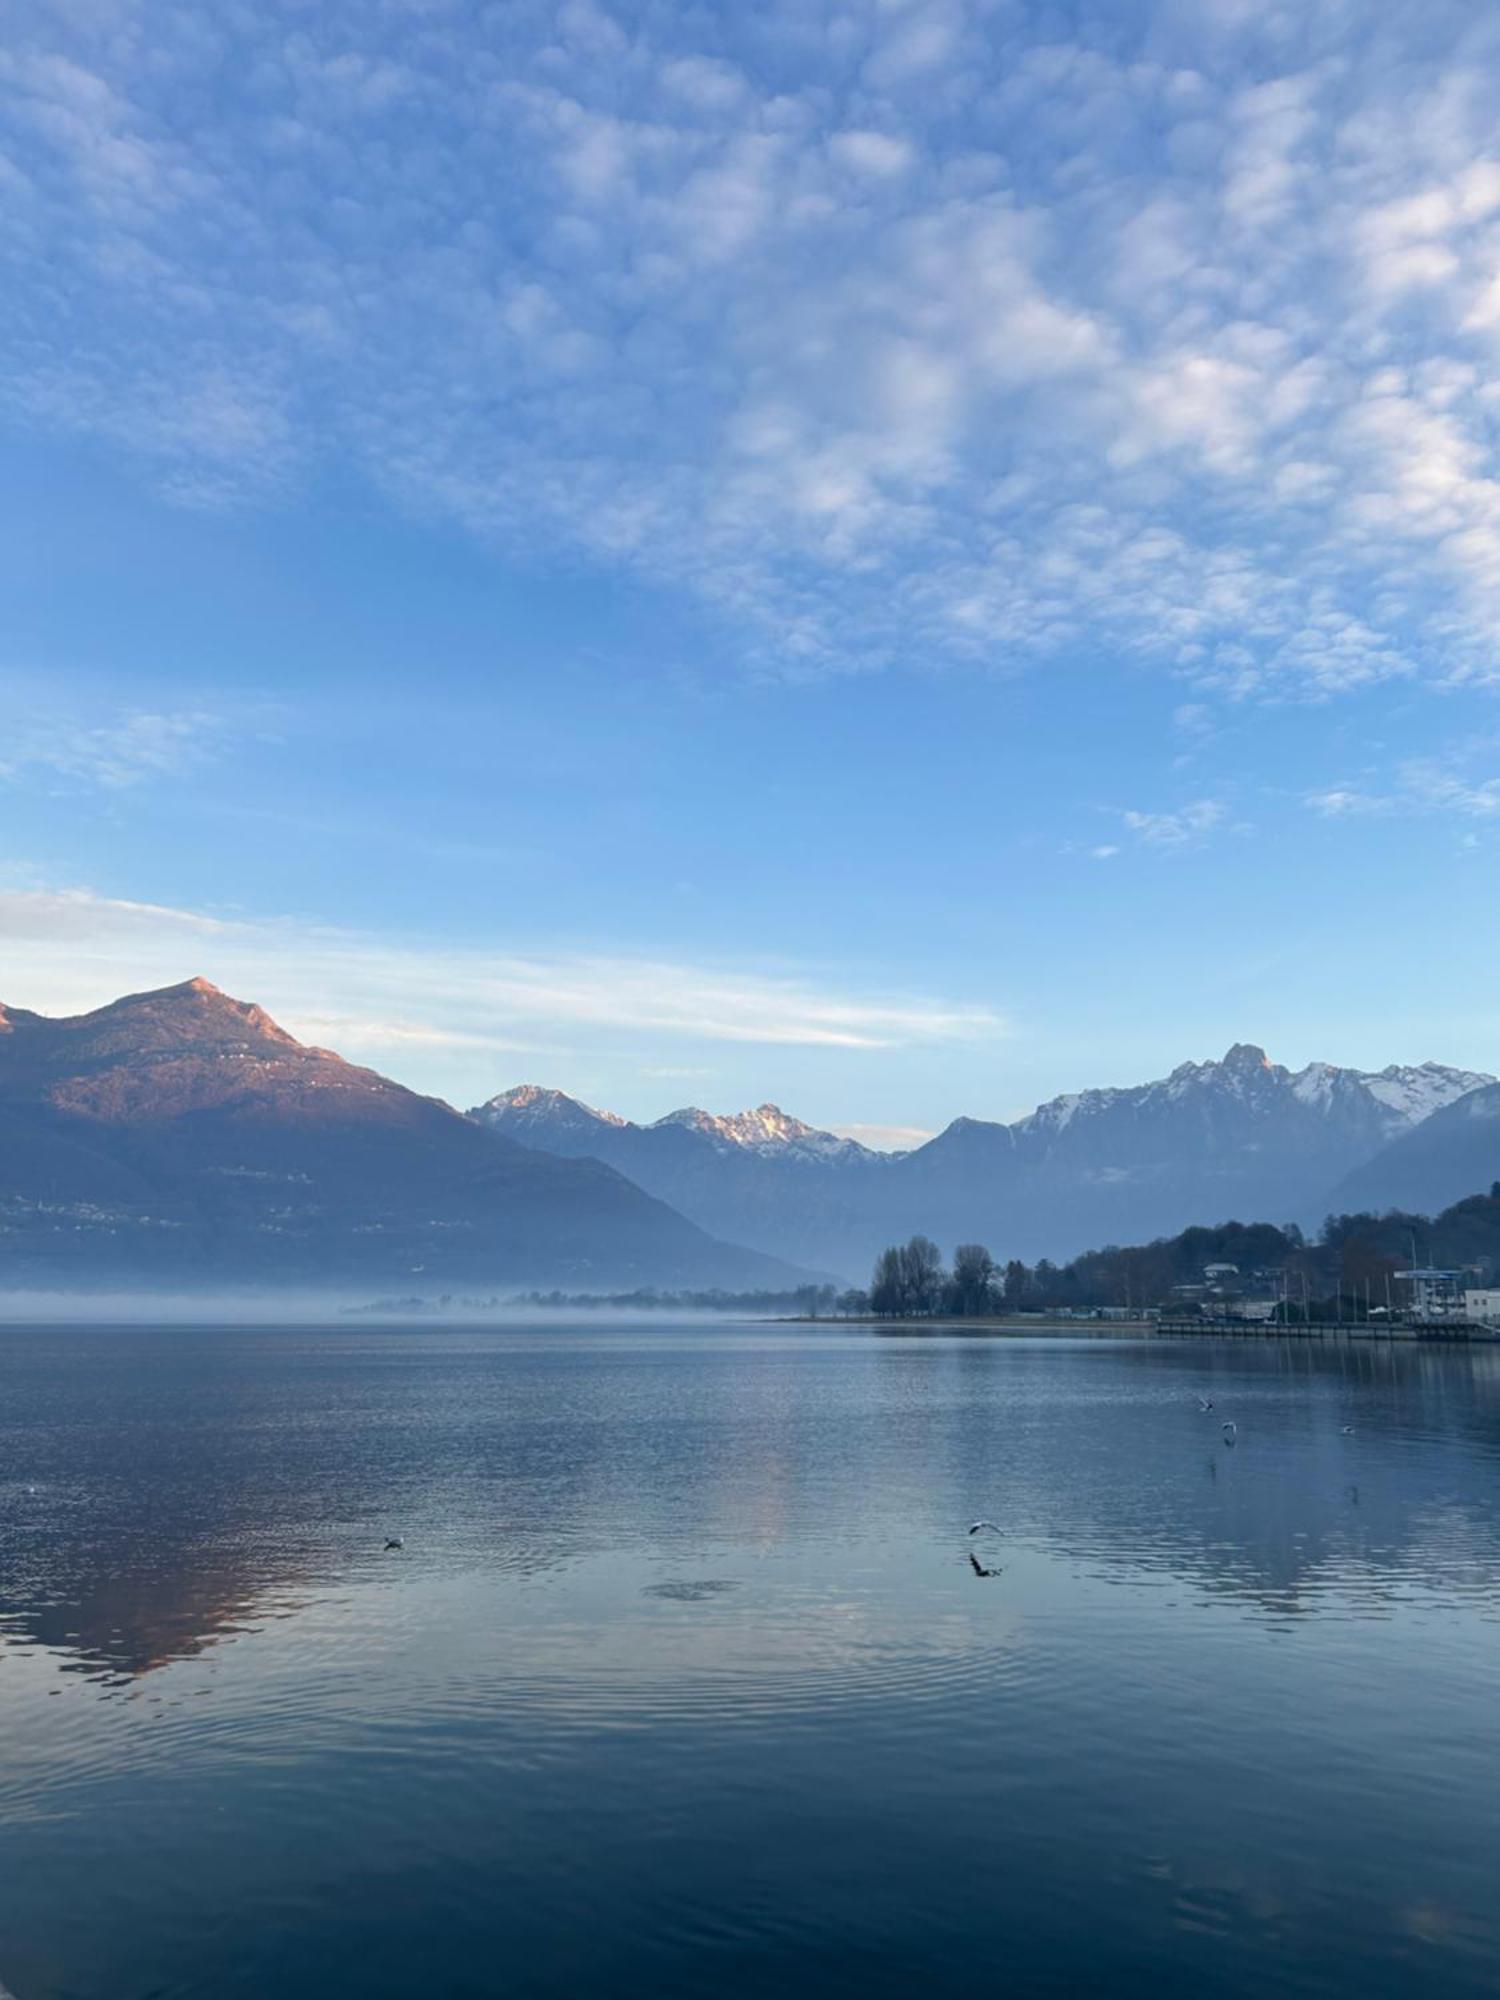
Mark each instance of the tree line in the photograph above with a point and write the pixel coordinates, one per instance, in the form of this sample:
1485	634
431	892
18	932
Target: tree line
1343	1272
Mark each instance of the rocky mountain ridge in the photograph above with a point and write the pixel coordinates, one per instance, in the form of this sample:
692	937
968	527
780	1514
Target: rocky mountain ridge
182	1137
1240	1136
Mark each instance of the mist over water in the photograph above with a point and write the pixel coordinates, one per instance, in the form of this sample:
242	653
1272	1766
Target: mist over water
682	1682
285	1307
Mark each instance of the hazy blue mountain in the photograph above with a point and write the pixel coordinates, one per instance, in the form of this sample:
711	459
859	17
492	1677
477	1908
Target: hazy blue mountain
781	1182
1240	1137
1454	1153
1243	1137
182	1137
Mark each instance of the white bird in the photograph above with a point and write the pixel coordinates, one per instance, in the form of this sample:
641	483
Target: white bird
395	1542
1348	1430
984	1524
1205	1402
1230	1430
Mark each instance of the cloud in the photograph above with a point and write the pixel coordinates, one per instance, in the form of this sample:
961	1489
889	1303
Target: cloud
879	153
1193	719
369	996
1430	787
915	332
76	917
1341	802
887	1138
1185	827
129	750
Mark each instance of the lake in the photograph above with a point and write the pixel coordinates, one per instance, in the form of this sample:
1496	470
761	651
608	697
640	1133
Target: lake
683	1683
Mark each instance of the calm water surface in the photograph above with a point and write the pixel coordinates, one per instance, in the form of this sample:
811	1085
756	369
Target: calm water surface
683	1685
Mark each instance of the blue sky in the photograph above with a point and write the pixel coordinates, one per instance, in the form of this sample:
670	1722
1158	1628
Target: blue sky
900	556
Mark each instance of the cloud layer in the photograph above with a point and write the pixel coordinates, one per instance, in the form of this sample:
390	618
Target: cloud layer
132	748
67	951
898	331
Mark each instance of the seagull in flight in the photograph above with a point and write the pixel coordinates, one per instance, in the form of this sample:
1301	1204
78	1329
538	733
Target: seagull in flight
984	1524
1205	1402
395	1542
1231	1431
978	1567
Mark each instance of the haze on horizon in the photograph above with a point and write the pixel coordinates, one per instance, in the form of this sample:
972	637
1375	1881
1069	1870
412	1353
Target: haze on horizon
899	559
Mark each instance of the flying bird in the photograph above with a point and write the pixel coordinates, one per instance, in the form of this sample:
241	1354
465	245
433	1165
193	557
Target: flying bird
978	1567
1205	1402
395	1542
984	1524
1348	1430
1231	1431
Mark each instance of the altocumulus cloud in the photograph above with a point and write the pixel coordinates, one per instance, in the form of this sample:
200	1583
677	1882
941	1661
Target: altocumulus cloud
373	997
944	329
1419	786
133	747
1182	828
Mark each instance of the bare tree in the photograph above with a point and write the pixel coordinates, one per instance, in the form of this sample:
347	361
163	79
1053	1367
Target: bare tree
972	1288
909	1280
887	1289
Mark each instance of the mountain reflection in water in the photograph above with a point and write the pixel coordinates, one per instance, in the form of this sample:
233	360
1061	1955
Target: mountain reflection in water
685	1617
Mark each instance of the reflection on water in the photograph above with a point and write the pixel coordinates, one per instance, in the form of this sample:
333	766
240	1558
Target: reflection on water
683	1682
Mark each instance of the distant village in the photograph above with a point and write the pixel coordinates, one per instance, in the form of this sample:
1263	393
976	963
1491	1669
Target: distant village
1424	1295
1362	1270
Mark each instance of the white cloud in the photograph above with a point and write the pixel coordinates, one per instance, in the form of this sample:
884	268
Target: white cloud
879	153
370	997
887	1138
1426	786
1343	802
1193	718
128	750
910	332
1182	828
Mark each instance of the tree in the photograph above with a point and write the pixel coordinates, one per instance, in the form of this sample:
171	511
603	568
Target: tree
1017	1282
908	1280
887	1295
923	1276
972	1287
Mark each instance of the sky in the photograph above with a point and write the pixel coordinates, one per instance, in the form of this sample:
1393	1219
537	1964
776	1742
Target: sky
898	557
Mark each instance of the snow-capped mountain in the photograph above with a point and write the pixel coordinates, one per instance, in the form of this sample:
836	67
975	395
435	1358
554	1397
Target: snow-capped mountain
1431	1164
1240	1137
1388	1101
556	1120
530	1108
769	1131
778	1176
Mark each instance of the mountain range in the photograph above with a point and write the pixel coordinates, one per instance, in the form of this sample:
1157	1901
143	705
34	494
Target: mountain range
1242	1136
181	1138
1439	1161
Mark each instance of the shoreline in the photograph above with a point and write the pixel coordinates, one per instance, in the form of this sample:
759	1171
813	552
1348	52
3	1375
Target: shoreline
1458	1333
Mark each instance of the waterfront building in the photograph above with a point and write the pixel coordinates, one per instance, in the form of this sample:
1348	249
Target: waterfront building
1434	1294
